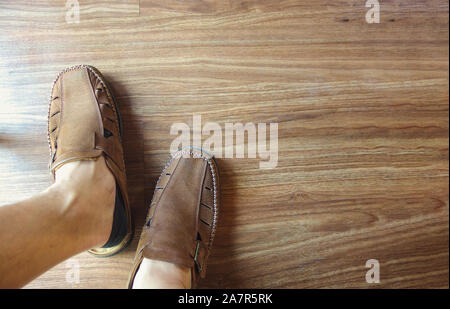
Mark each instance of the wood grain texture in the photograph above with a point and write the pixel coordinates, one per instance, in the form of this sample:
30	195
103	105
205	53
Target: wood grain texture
363	114
55	10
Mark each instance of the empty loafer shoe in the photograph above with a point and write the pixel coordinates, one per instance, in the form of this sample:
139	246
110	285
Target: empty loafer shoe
182	218
84	124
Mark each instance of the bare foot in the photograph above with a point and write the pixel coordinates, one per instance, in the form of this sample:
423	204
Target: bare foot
154	274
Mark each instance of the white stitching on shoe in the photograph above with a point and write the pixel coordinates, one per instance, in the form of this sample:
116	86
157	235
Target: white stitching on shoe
216	210
73	68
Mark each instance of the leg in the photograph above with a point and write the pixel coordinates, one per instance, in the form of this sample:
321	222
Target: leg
88	204
72	215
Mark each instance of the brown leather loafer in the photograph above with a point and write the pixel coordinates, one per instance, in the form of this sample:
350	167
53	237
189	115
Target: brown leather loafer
182	218
83	124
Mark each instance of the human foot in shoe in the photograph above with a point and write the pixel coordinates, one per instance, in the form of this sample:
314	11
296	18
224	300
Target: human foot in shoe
85	130
177	237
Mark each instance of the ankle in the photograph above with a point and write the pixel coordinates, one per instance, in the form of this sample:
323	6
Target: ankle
86	193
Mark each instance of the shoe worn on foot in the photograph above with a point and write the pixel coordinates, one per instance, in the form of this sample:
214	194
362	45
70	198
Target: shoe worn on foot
182	218
84	124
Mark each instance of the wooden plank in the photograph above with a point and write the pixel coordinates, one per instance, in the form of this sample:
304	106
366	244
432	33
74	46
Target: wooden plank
362	111
49	11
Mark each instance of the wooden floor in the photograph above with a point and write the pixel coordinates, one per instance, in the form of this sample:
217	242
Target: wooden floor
362	112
